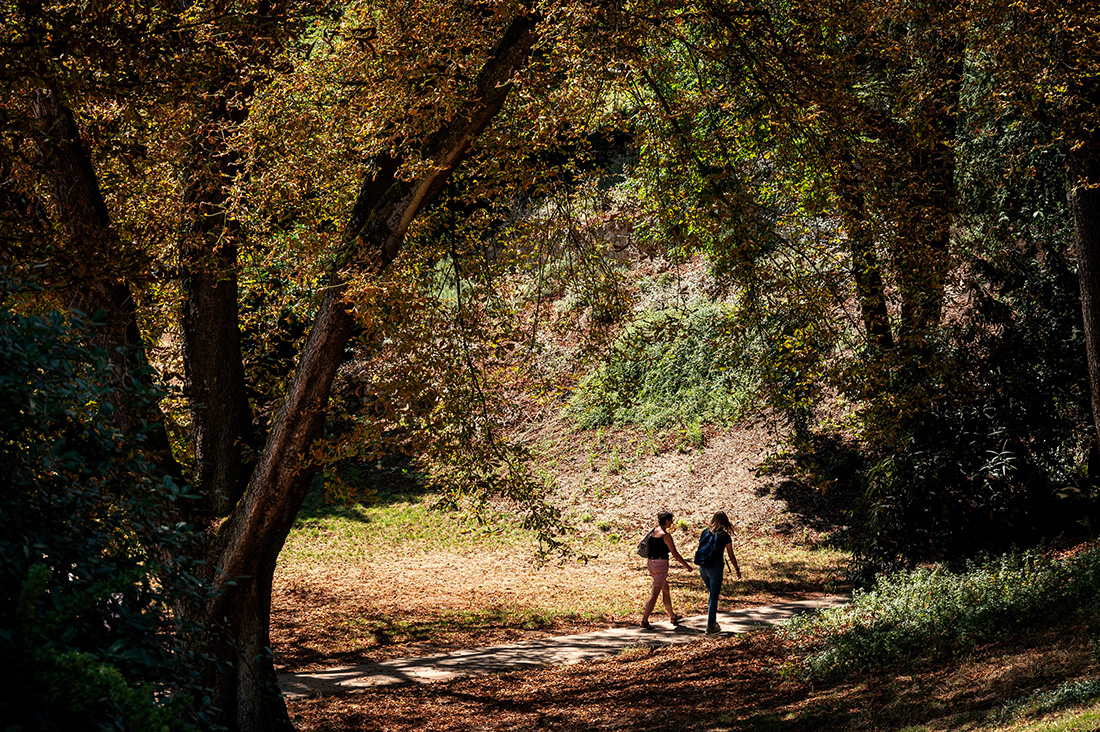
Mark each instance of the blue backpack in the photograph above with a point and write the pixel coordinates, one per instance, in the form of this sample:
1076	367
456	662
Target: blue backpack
709	549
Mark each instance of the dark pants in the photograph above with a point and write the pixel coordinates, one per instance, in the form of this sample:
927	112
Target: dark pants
712	578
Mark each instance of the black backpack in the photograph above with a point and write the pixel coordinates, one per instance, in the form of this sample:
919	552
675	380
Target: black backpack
709	548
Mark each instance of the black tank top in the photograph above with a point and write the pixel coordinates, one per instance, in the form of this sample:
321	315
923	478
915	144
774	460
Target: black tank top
658	549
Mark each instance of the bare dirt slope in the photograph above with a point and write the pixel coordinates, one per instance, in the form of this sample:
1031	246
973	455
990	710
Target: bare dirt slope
667	472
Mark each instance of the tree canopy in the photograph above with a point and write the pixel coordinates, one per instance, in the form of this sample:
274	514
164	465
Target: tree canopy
329	231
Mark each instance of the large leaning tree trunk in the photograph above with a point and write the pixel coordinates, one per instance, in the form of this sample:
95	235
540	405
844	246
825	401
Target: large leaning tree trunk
246	546
90	269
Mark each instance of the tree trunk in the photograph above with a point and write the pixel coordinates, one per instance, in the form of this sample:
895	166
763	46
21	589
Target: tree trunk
248	543
870	291
1084	205
91	270
213	367
925	228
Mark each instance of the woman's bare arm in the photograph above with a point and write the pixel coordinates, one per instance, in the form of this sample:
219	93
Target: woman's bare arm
729	550
672	550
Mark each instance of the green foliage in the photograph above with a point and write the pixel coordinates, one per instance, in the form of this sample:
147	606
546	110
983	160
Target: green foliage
701	178
671	366
614	461
74	688
973	416
1068	694
980	441
932	614
796	346
1012	184
278	298
692	435
85	633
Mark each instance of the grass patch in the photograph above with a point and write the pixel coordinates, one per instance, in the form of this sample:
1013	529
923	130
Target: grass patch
397	520
1068	694
1087	720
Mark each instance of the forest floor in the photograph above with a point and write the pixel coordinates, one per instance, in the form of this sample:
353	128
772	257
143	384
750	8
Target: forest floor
726	684
397	580
381	585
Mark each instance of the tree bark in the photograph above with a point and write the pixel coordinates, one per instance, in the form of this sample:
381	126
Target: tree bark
248	543
870	291
213	366
91	270
924	258
1084	205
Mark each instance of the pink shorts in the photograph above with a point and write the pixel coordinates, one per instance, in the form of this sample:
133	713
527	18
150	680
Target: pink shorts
658	570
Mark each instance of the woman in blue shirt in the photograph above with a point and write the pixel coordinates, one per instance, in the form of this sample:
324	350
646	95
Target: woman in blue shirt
711	570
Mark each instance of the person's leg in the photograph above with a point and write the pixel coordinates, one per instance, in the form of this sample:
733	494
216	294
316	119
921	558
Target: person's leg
712	578
650	604
666	595
658	570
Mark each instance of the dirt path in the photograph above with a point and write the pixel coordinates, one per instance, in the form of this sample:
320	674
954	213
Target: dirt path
557	651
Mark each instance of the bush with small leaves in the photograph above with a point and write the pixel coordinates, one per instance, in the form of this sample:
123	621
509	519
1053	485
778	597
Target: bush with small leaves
935	613
86	527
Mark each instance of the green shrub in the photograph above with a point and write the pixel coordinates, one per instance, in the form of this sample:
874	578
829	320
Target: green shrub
1068	694
929	614
86	636
669	367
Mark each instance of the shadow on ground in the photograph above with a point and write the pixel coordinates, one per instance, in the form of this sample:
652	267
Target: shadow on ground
537	652
382	636
829	460
731	684
392	479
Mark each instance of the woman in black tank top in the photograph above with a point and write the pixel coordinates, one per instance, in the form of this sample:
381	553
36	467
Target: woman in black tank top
658	548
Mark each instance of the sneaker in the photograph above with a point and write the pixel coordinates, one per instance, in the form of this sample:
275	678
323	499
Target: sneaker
712	629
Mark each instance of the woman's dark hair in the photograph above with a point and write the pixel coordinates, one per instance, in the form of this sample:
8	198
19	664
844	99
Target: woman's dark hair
664	516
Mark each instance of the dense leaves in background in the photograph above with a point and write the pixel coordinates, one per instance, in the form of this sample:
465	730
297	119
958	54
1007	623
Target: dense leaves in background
980	437
884	186
85	631
1000	457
